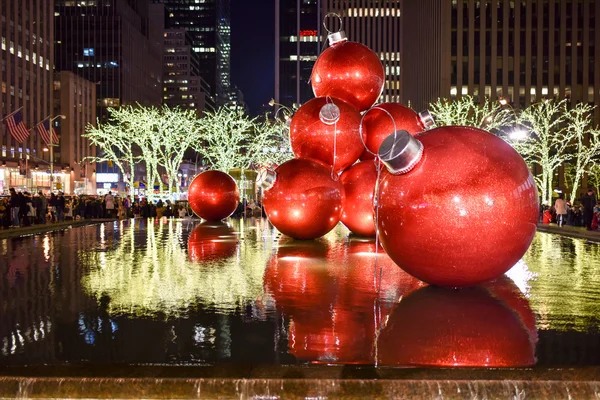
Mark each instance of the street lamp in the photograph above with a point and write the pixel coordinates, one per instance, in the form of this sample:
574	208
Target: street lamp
51	146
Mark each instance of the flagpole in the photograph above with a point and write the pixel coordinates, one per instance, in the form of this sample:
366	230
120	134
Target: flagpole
51	145
12	113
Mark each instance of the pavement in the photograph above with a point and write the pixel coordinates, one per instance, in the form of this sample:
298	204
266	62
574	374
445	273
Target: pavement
571	231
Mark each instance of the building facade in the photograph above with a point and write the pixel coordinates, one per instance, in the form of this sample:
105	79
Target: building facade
75	98
298	26
376	24
208	23
299	39
113	44
26	57
521	51
183	85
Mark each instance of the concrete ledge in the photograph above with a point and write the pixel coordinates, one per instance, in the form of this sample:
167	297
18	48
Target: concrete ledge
49	227
571	231
102	388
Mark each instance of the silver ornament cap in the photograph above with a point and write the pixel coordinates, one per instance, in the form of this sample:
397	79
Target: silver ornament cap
337	37
400	152
426	119
329	114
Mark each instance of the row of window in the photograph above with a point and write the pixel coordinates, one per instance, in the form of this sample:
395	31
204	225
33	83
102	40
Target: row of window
20	53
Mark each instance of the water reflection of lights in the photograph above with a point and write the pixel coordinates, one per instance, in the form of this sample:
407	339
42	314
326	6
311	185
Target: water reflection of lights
149	273
18	337
46	246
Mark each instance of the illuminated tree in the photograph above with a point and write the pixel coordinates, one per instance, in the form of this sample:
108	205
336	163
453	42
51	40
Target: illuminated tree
271	146
547	142
465	111
114	139
586	145
594	175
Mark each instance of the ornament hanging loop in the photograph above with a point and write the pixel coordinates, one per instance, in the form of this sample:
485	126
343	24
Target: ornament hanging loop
360	127
332	14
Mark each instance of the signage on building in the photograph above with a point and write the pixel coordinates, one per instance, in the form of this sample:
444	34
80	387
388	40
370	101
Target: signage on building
104	177
309	32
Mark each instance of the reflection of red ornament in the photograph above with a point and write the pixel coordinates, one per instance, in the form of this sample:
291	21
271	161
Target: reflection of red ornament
213	195
469	327
322	127
378	124
439	220
357	207
304	202
210	241
349	71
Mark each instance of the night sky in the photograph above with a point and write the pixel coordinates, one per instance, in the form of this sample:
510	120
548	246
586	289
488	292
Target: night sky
253	50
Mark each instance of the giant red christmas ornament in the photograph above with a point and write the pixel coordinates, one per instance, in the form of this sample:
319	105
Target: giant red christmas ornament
379	122
357	206
470	327
211	241
324	128
439	201
348	71
213	195
304	201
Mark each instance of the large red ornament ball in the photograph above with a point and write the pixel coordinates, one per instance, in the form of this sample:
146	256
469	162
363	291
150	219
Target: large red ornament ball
349	71
304	201
470	327
213	195
357	206
444	221
377	124
211	240
310	137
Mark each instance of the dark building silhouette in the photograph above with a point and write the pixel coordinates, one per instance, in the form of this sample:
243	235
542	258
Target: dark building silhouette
521	51
115	44
208	23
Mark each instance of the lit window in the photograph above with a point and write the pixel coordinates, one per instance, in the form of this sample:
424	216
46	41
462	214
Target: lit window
88	51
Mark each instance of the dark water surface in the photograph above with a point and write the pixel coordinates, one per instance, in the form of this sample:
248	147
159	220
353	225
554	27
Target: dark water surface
178	292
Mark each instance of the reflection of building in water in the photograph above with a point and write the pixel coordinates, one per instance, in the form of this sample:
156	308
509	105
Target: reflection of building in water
27	320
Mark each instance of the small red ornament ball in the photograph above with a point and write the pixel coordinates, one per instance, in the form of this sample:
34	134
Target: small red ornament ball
444	221
377	125
470	327
310	137
211	240
304	201
213	195
351	72
357	206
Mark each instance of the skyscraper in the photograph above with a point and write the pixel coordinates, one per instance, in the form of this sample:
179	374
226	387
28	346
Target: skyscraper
208	22
112	43
521	51
297	45
184	87
299	36
26	57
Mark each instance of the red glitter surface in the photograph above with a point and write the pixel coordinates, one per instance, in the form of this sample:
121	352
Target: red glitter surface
357	207
465	214
213	195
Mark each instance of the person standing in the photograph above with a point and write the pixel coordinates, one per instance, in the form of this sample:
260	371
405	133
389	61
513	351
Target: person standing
14	205
60	207
588	202
109	204
560	206
43	208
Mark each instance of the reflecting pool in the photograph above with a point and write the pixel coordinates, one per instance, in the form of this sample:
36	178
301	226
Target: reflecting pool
181	292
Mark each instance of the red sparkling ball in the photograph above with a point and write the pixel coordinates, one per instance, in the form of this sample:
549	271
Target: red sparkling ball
304	202
378	125
312	138
351	72
443	222
213	195
470	327
357	206
211	241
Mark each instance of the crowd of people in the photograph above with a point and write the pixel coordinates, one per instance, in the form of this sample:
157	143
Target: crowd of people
586	213
25	209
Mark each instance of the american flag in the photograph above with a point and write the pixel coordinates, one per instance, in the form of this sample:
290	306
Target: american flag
43	129
16	127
